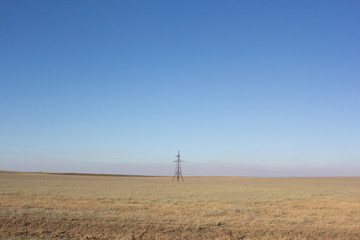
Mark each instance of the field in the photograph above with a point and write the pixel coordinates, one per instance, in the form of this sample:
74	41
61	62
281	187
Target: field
61	206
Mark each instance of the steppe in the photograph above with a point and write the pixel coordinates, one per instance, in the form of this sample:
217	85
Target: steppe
85	206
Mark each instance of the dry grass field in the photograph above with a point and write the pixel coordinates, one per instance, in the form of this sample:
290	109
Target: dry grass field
59	206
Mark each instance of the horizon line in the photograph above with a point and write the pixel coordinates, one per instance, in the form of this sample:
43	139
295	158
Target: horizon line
144	175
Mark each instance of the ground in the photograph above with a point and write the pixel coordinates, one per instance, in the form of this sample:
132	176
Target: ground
62	206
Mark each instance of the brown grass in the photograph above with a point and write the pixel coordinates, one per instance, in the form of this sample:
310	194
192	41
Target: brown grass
53	206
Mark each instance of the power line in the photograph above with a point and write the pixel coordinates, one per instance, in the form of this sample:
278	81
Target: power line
32	147
178	170
55	151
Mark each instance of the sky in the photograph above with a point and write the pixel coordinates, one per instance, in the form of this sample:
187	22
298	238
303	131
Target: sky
248	88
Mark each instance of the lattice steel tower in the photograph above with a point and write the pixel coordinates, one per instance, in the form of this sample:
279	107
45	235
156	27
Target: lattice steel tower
178	172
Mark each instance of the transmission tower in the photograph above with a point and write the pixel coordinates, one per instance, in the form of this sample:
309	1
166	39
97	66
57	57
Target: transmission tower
178	172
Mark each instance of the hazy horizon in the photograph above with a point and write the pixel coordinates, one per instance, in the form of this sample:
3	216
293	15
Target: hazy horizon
188	169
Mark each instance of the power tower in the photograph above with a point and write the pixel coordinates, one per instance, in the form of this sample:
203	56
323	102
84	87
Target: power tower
178	172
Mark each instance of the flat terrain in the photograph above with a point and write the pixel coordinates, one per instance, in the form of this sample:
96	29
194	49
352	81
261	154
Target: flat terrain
51	206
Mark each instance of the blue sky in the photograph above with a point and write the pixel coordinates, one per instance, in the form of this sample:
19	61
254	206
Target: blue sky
263	88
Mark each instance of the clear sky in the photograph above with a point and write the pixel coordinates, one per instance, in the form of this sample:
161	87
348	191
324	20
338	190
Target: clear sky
261	88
